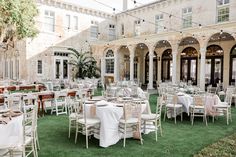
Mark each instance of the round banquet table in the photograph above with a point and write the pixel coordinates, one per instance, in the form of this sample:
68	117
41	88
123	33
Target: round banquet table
11	134
109	114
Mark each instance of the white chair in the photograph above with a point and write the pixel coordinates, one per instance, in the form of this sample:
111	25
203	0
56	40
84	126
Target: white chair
29	143
153	118
212	90
74	110
59	104
85	125
13	102
224	108
198	109
131	121
30	102
173	107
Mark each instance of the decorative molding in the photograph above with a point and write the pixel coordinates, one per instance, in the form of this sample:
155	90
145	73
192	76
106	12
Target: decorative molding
75	8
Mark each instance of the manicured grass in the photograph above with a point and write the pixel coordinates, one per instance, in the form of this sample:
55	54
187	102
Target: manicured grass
224	147
180	140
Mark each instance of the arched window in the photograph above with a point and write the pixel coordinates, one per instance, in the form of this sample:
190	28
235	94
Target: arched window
214	65
232	74
109	62
166	72
189	65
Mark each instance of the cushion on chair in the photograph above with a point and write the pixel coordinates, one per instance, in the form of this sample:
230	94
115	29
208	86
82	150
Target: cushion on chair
129	121
149	116
90	121
176	105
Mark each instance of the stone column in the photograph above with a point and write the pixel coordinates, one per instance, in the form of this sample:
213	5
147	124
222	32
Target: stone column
174	68
103	70
202	68
116	66
150	79
131	57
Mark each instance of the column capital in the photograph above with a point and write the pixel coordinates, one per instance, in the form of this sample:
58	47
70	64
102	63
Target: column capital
132	47
203	51
151	47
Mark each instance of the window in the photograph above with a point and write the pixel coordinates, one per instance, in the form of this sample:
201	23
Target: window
187	17
49	17
137	28
11	69
109	62
68	22
222	10
159	23
17	68
94	30
40	67
112	32
6	69
75	23
122	29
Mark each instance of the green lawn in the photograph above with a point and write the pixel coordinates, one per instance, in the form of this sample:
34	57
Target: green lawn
180	140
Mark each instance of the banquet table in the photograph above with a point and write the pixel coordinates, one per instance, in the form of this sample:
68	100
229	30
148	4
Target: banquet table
187	100
11	134
109	114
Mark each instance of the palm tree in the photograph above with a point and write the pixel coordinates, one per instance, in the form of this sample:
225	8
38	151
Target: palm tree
85	64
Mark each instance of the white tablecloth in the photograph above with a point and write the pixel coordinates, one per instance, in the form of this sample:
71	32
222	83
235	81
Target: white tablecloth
11	134
109	116
186	100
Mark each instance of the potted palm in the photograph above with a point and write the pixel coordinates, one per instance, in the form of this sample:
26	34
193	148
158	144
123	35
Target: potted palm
85	65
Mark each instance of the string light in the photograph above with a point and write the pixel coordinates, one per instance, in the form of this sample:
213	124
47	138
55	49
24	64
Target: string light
170	15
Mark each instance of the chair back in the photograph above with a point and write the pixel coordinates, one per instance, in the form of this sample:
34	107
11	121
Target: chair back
228	97
198	100
13	102
132	110
159	105
212	90
29	101
30	119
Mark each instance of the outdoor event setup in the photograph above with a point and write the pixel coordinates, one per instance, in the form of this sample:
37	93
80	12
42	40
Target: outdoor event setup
122	111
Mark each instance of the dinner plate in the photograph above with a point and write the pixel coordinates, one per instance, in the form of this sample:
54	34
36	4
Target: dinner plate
4	111
102	105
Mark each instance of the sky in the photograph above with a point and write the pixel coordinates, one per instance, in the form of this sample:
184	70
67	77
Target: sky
118	4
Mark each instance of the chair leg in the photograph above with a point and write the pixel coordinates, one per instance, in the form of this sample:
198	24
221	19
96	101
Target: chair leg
156	129
192	117
165	114
205	119
140	134
175	115
86	137
37	140
160	127
144	126
69	128
35	148
124	137
76	133
227	116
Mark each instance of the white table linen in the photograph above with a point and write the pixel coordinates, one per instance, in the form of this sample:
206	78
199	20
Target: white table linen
11	134
109	116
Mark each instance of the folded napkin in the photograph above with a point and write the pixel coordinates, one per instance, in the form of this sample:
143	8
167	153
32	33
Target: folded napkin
102	102
180	93
12	114
4	120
